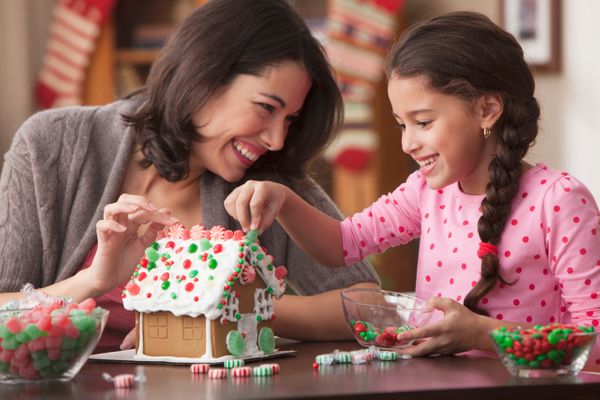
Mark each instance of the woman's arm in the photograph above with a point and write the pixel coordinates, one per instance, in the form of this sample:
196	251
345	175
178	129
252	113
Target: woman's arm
121	242
316	317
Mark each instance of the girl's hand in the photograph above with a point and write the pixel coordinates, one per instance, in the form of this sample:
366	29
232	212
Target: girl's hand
460	330
120	245
129	341
256	204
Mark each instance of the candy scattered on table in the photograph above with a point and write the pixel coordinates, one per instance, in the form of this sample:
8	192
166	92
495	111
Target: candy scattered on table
199	368
217	373
543	346
240	372
362	356
234	362
46	341
123	380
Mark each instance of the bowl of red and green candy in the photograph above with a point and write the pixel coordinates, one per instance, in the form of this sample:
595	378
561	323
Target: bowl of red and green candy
544	351
376	316
48	342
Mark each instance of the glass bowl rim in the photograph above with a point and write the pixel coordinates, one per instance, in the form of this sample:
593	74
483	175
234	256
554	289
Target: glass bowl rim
515	332
344	294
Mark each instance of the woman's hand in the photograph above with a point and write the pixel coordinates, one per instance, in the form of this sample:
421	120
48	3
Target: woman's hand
121	243
460	330
255	204
129	341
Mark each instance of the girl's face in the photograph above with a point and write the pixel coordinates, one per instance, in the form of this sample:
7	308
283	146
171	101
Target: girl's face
248	118
443	134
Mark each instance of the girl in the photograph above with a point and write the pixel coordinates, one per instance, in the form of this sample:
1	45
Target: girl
502	242
85	189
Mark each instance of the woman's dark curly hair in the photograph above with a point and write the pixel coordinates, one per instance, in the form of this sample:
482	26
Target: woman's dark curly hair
216	43
465	54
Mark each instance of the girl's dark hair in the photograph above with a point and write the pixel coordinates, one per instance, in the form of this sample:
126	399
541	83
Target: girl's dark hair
216	43
467	55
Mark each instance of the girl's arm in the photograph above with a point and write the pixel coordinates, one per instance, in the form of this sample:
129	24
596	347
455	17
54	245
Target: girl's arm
316	317
256	204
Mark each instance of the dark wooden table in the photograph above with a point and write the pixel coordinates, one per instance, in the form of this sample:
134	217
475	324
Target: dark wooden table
419	378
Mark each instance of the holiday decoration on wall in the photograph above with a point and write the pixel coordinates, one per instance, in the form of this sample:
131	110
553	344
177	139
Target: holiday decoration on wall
73	36
359	33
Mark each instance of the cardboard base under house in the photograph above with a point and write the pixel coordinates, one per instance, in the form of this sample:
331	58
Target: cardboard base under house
128	357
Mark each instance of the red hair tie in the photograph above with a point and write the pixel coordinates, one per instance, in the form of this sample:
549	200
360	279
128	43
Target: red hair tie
486	248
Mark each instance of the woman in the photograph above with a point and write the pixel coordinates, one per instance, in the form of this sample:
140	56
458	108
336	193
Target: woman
84	190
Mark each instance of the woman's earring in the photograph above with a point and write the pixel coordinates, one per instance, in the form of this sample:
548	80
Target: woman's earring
487	132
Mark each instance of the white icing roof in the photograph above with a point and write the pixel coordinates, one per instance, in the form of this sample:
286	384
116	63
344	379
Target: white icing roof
187	272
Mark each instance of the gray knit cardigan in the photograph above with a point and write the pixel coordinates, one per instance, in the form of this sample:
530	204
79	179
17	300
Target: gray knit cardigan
65	165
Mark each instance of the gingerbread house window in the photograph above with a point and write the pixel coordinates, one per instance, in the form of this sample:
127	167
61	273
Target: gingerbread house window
263	303
192	328
232	308
157	326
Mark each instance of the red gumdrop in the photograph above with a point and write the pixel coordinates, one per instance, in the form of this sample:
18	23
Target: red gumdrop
359	327
13	325
391	330
53	342
6	355
22	352
133	288
280	272
72	332
62	320
88	304
53	353
37	344
385	339
44	323
56	332
29	372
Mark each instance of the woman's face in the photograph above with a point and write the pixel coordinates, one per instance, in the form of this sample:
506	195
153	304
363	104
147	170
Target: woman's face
442	133
248	118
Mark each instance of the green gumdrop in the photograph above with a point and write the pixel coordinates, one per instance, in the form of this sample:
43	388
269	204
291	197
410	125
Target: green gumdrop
4	367
33	331
83	339
151	254
235	343
68	343
11	343
204	244
266	340
22	337
59	366
67	354
41	363
84	323
38	355
47	373
252	236
5	333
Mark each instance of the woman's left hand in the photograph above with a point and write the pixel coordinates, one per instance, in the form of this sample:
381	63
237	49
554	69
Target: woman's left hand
460	330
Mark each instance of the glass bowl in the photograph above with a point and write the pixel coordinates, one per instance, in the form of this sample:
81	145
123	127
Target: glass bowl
48	343
544	351
376	316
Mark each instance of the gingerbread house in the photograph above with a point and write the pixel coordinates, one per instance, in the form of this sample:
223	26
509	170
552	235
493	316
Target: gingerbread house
204	294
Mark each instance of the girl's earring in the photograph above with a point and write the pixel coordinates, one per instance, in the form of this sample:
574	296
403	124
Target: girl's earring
487	132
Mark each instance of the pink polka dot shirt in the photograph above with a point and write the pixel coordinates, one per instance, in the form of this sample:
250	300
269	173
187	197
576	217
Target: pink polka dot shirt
550	247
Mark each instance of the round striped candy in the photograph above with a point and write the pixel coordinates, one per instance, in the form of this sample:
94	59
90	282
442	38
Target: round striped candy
387	356
262	371
123	381
233	363
241	371
342	357
324	359
217	373
199	368
274	367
